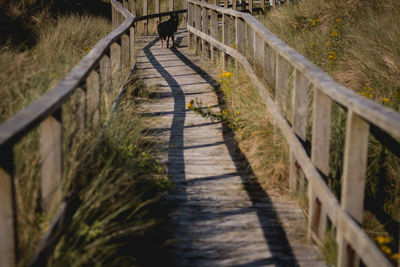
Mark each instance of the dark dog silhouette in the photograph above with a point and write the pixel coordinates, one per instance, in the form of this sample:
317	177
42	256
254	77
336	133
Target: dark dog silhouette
167	29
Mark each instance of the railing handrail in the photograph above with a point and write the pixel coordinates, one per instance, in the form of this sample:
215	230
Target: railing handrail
348	229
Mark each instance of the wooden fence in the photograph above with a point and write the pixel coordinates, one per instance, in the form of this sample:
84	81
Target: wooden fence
98	69
239	36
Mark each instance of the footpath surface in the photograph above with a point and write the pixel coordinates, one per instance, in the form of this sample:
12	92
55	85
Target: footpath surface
220	216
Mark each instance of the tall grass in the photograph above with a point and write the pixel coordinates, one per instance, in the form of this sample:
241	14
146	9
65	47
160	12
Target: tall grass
117	180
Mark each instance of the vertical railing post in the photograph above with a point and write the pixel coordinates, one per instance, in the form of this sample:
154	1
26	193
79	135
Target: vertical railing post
299	122
93	98
8	234
125	50
226	37
190	16
239	42
115	54
214	34
250	43
269	65
198	26
251	6
353	180
157	10
259	54
204	28
234	4
105	81
320	143
145	22
281	82
51	161
132	7
132	43
171	5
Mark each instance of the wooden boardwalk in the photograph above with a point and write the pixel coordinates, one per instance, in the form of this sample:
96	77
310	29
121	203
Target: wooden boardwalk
220	216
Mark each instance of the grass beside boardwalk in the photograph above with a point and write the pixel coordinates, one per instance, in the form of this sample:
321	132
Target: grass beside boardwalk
118	181
120	184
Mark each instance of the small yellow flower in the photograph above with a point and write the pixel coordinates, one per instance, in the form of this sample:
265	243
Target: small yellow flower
240	129
87	50
224	112
233	46
395	256
312	43
238	112
386	100
295	26
337	20
190	104
383	240
386	250
328	43
334	34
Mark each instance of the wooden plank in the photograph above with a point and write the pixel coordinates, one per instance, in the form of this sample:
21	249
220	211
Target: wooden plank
125	50
299	122
226	37
144	13
116	63
105	81
93	99
204	27
269	65
132	7
234	4
249	43
7	208
214	34
132	43
171	5
353	180
320	144
281	82
239	35
251	6
51	162
258	54
157	10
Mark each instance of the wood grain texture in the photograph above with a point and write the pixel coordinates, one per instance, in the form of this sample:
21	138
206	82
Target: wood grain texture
220	217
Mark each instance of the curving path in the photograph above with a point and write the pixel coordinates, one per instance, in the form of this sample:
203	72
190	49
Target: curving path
221	217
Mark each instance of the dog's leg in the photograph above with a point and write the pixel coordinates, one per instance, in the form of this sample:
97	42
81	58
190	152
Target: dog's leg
173	41
168	41
161	42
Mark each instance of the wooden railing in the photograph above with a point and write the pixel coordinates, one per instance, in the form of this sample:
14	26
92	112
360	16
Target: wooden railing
268	60
91	77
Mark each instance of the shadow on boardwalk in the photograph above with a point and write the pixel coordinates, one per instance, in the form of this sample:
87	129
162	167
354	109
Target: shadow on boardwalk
280	253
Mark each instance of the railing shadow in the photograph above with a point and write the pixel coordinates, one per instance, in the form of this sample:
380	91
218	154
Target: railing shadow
274	234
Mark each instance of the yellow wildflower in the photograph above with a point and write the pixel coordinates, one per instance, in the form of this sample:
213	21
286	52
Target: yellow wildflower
190	104
238	112
234	46
328	43
386	100
386	250
335	34
312	43
337	20
295	26
395	256
87	50
224	112
383	240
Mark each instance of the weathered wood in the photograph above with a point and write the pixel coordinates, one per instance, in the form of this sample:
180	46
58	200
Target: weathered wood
105	81
239	35
132	7
93	99
204	28
157	10
226	37
353	180
132	43
320	144
251	6
281	82
299	122
198	25
7	208
116	62
125	50
80	100
144	13
249	43
214	34
269	65
258	54
171	5
51	162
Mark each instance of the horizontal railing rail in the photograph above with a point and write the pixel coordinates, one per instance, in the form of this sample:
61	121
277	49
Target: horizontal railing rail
103	64
270	61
